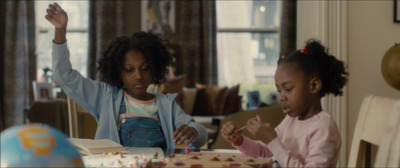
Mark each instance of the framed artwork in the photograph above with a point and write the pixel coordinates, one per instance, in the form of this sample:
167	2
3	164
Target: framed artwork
273	98
42	91
254	100
158	16
396	11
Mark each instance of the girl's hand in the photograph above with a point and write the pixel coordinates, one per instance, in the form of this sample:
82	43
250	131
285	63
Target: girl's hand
57	16
262	131
184	133
231	135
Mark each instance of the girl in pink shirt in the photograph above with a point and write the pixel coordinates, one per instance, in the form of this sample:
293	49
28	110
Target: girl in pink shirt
308	136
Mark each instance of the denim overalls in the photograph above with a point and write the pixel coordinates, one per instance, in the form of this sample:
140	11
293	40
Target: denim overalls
140	131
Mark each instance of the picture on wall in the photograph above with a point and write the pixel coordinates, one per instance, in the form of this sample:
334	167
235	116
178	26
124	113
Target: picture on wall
42	91
158	16
396	11
254	100
273	98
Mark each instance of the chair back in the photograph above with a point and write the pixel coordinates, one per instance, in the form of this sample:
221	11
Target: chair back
372	119
81	123
389	151
270	114
52	112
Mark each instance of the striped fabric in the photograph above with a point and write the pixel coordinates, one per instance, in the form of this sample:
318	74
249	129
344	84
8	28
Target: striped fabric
139	108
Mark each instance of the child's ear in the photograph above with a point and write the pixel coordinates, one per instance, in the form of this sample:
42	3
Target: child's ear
315	85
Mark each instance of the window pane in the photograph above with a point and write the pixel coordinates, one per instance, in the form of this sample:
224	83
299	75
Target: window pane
78	12
78	51
248	14
43	53
249	59
248	45
40	9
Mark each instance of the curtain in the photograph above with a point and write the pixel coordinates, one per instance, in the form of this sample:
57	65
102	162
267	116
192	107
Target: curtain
18	61
2	41
196	38
288	26
105	23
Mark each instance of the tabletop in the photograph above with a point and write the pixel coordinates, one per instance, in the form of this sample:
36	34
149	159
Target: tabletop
157	157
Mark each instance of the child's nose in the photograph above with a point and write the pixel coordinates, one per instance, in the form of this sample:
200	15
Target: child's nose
281	97
138	75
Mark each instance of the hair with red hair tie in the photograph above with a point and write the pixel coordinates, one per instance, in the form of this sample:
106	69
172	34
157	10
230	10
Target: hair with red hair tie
304	50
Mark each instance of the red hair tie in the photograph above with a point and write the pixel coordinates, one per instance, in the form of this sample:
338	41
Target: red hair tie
283	56
304	50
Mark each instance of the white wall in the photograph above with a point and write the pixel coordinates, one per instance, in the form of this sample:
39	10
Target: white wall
370	33
307	26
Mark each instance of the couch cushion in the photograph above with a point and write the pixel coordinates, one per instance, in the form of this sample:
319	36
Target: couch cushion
189	95
233	100
175	85
210	100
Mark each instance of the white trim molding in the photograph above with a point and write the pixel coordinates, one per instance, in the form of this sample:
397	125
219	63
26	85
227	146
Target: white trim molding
327	22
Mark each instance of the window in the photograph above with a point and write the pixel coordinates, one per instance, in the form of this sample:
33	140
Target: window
248	45
77	35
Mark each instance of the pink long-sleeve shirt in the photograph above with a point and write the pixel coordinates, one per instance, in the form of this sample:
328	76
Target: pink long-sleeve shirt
314	142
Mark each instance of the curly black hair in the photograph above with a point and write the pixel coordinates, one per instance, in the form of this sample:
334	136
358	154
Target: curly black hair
112	61
316	60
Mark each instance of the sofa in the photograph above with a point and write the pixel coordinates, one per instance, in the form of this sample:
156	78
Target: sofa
204	100
207	104
223	104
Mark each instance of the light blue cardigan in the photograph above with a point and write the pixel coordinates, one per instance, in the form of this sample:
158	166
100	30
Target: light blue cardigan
103	101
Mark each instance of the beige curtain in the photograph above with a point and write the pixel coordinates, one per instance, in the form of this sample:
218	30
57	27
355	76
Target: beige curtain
105	23
17	61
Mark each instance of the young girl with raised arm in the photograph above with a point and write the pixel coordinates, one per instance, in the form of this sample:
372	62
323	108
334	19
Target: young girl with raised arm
307	136
124	111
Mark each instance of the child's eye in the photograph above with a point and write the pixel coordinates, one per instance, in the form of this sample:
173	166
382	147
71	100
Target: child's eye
288	90
128	70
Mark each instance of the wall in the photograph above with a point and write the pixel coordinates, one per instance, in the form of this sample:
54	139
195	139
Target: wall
370	33
307	27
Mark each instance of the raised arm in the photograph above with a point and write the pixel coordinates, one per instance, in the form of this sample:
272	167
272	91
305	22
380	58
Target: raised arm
59	18
84	91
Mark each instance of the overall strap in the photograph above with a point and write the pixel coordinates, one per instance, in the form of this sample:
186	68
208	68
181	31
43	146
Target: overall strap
122	109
